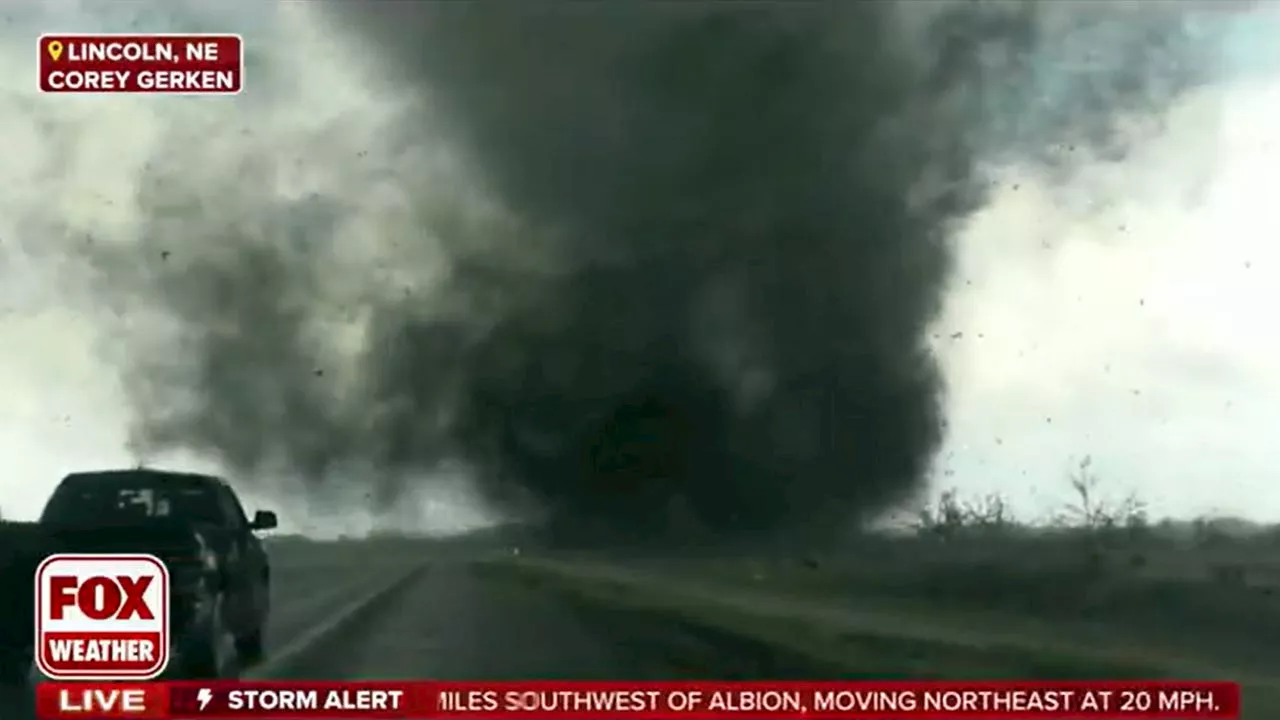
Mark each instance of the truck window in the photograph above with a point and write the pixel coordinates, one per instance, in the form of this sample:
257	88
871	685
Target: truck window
142	500
231	508
129	499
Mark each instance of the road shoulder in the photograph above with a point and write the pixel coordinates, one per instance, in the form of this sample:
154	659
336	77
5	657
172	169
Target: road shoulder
871	642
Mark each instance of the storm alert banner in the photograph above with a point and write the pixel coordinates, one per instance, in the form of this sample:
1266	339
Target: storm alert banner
173	64
640	700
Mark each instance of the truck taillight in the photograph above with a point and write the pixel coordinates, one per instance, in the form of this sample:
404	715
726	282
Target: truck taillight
189	572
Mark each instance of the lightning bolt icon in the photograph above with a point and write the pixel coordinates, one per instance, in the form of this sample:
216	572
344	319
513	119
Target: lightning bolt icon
204	696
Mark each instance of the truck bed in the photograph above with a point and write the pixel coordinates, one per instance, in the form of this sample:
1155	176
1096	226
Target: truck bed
22	546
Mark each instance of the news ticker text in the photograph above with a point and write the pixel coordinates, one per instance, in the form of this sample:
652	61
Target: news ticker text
649	700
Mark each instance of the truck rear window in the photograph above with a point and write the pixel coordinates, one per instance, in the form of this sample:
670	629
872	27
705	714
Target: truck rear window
117	499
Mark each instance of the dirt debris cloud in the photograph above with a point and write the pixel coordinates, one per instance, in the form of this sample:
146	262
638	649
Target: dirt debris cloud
677	280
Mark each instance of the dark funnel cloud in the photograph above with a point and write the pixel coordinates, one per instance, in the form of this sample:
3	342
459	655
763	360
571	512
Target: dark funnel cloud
706	313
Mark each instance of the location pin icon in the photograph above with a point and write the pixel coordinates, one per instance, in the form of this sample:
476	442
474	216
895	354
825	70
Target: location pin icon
55	49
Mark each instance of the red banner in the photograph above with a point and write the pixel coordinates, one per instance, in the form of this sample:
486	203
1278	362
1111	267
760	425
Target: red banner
174	64
652	701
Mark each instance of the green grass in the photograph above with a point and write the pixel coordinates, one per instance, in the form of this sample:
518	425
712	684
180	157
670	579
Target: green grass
951	619
1181	615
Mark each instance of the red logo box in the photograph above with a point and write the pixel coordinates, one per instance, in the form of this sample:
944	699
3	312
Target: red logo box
161	63
102	617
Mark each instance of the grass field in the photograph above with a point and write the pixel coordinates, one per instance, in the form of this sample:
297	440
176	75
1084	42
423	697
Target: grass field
1057	606
984	600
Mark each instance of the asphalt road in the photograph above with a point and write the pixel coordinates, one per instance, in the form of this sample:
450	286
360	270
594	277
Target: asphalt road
458	620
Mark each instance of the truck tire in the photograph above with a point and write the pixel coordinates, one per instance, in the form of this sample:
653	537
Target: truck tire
211	654
250	647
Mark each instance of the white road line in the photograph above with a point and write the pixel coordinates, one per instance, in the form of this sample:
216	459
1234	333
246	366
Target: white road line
302	644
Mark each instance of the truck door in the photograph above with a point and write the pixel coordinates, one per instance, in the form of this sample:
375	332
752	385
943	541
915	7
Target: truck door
243	566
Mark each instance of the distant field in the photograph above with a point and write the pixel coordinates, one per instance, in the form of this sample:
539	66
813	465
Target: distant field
916	607
1199	603
298	552
913	608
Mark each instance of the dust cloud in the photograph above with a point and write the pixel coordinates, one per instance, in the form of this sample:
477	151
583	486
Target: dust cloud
650	272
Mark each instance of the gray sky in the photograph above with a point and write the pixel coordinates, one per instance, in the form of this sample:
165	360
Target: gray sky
1135	324
1127	320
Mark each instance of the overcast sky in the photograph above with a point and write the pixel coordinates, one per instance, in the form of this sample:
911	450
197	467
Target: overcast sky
1130	321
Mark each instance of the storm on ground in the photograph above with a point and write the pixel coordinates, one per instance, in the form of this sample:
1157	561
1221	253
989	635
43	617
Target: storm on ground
703	269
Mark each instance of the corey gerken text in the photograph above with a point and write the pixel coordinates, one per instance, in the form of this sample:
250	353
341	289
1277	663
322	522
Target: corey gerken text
143	80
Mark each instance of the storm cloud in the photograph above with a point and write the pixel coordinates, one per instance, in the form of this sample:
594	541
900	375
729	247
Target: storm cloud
674	277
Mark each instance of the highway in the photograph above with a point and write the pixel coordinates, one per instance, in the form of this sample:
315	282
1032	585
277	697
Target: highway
453	619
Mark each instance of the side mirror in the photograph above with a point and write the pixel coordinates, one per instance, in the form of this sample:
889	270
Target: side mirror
264	520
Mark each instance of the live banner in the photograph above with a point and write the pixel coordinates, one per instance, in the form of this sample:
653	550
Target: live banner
649	700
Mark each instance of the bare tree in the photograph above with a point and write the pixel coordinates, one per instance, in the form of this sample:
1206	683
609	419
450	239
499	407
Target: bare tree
1091	510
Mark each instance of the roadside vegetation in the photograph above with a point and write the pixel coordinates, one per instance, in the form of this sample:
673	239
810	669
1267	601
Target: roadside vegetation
966	589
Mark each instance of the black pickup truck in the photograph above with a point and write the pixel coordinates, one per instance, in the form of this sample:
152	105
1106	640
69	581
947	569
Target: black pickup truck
219	571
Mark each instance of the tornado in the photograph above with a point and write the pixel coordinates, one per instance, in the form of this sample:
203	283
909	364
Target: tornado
691	297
